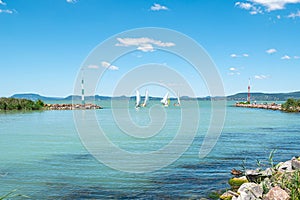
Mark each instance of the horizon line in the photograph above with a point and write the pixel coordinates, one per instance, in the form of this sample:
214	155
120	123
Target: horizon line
62	97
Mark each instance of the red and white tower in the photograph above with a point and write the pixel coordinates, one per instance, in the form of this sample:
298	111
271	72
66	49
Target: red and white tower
82	92
248	98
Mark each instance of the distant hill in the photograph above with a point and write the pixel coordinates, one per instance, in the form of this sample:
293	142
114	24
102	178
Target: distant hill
35	97
235	97
264	96
76	97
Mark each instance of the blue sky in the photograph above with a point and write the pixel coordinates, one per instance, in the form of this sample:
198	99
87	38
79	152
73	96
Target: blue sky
43	43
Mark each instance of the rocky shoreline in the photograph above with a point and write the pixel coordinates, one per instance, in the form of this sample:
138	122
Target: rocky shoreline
71	107
278	182
272	106
291	105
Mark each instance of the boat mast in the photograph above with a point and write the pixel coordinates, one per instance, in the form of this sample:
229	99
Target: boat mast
138	99
178	98
146	98
164	101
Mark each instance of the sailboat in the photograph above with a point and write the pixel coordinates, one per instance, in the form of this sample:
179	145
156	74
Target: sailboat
178	101
165	101
138	99
146	99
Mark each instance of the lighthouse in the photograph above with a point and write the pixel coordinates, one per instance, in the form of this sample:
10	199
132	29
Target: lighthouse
248	97
82	92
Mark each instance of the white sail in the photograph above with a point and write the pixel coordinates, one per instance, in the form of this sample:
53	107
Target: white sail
146	98
164	101
178	99
138	99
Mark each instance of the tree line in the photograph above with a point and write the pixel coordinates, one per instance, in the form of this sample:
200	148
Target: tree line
291	105
20	104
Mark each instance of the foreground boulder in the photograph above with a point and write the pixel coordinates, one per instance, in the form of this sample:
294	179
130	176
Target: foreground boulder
249	191
296	163
276	193
285	166
257	175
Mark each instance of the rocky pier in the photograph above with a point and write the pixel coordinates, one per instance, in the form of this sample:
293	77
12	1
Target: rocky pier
71	107
272	106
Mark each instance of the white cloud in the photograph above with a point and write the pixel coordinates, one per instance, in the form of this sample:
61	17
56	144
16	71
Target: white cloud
271	51
237	56
256	10
93	67
143	40
294	15
260	6
146	47
253	10
272	5
109	66
71	1
157	7
285	57
242	5
261	77
2	3
233	71
143	44
7	11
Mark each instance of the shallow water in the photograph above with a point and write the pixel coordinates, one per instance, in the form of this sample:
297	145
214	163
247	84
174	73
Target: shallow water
42	155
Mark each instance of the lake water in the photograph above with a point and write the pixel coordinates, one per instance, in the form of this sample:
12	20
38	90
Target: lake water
42	155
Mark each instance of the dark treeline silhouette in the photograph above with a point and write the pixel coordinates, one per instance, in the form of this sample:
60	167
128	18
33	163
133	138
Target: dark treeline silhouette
20	104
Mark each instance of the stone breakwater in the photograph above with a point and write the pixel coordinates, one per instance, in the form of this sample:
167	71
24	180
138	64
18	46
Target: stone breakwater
71	107
278	182
272	106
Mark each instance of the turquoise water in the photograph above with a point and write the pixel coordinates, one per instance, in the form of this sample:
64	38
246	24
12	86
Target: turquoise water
42	155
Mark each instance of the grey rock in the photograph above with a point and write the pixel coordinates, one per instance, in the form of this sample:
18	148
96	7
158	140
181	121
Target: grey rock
285	167
276	193
250	191
295	164
252	172
266	184
268	172
257	176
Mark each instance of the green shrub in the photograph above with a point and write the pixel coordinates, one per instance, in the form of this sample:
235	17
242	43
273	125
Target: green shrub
291	105
20	104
